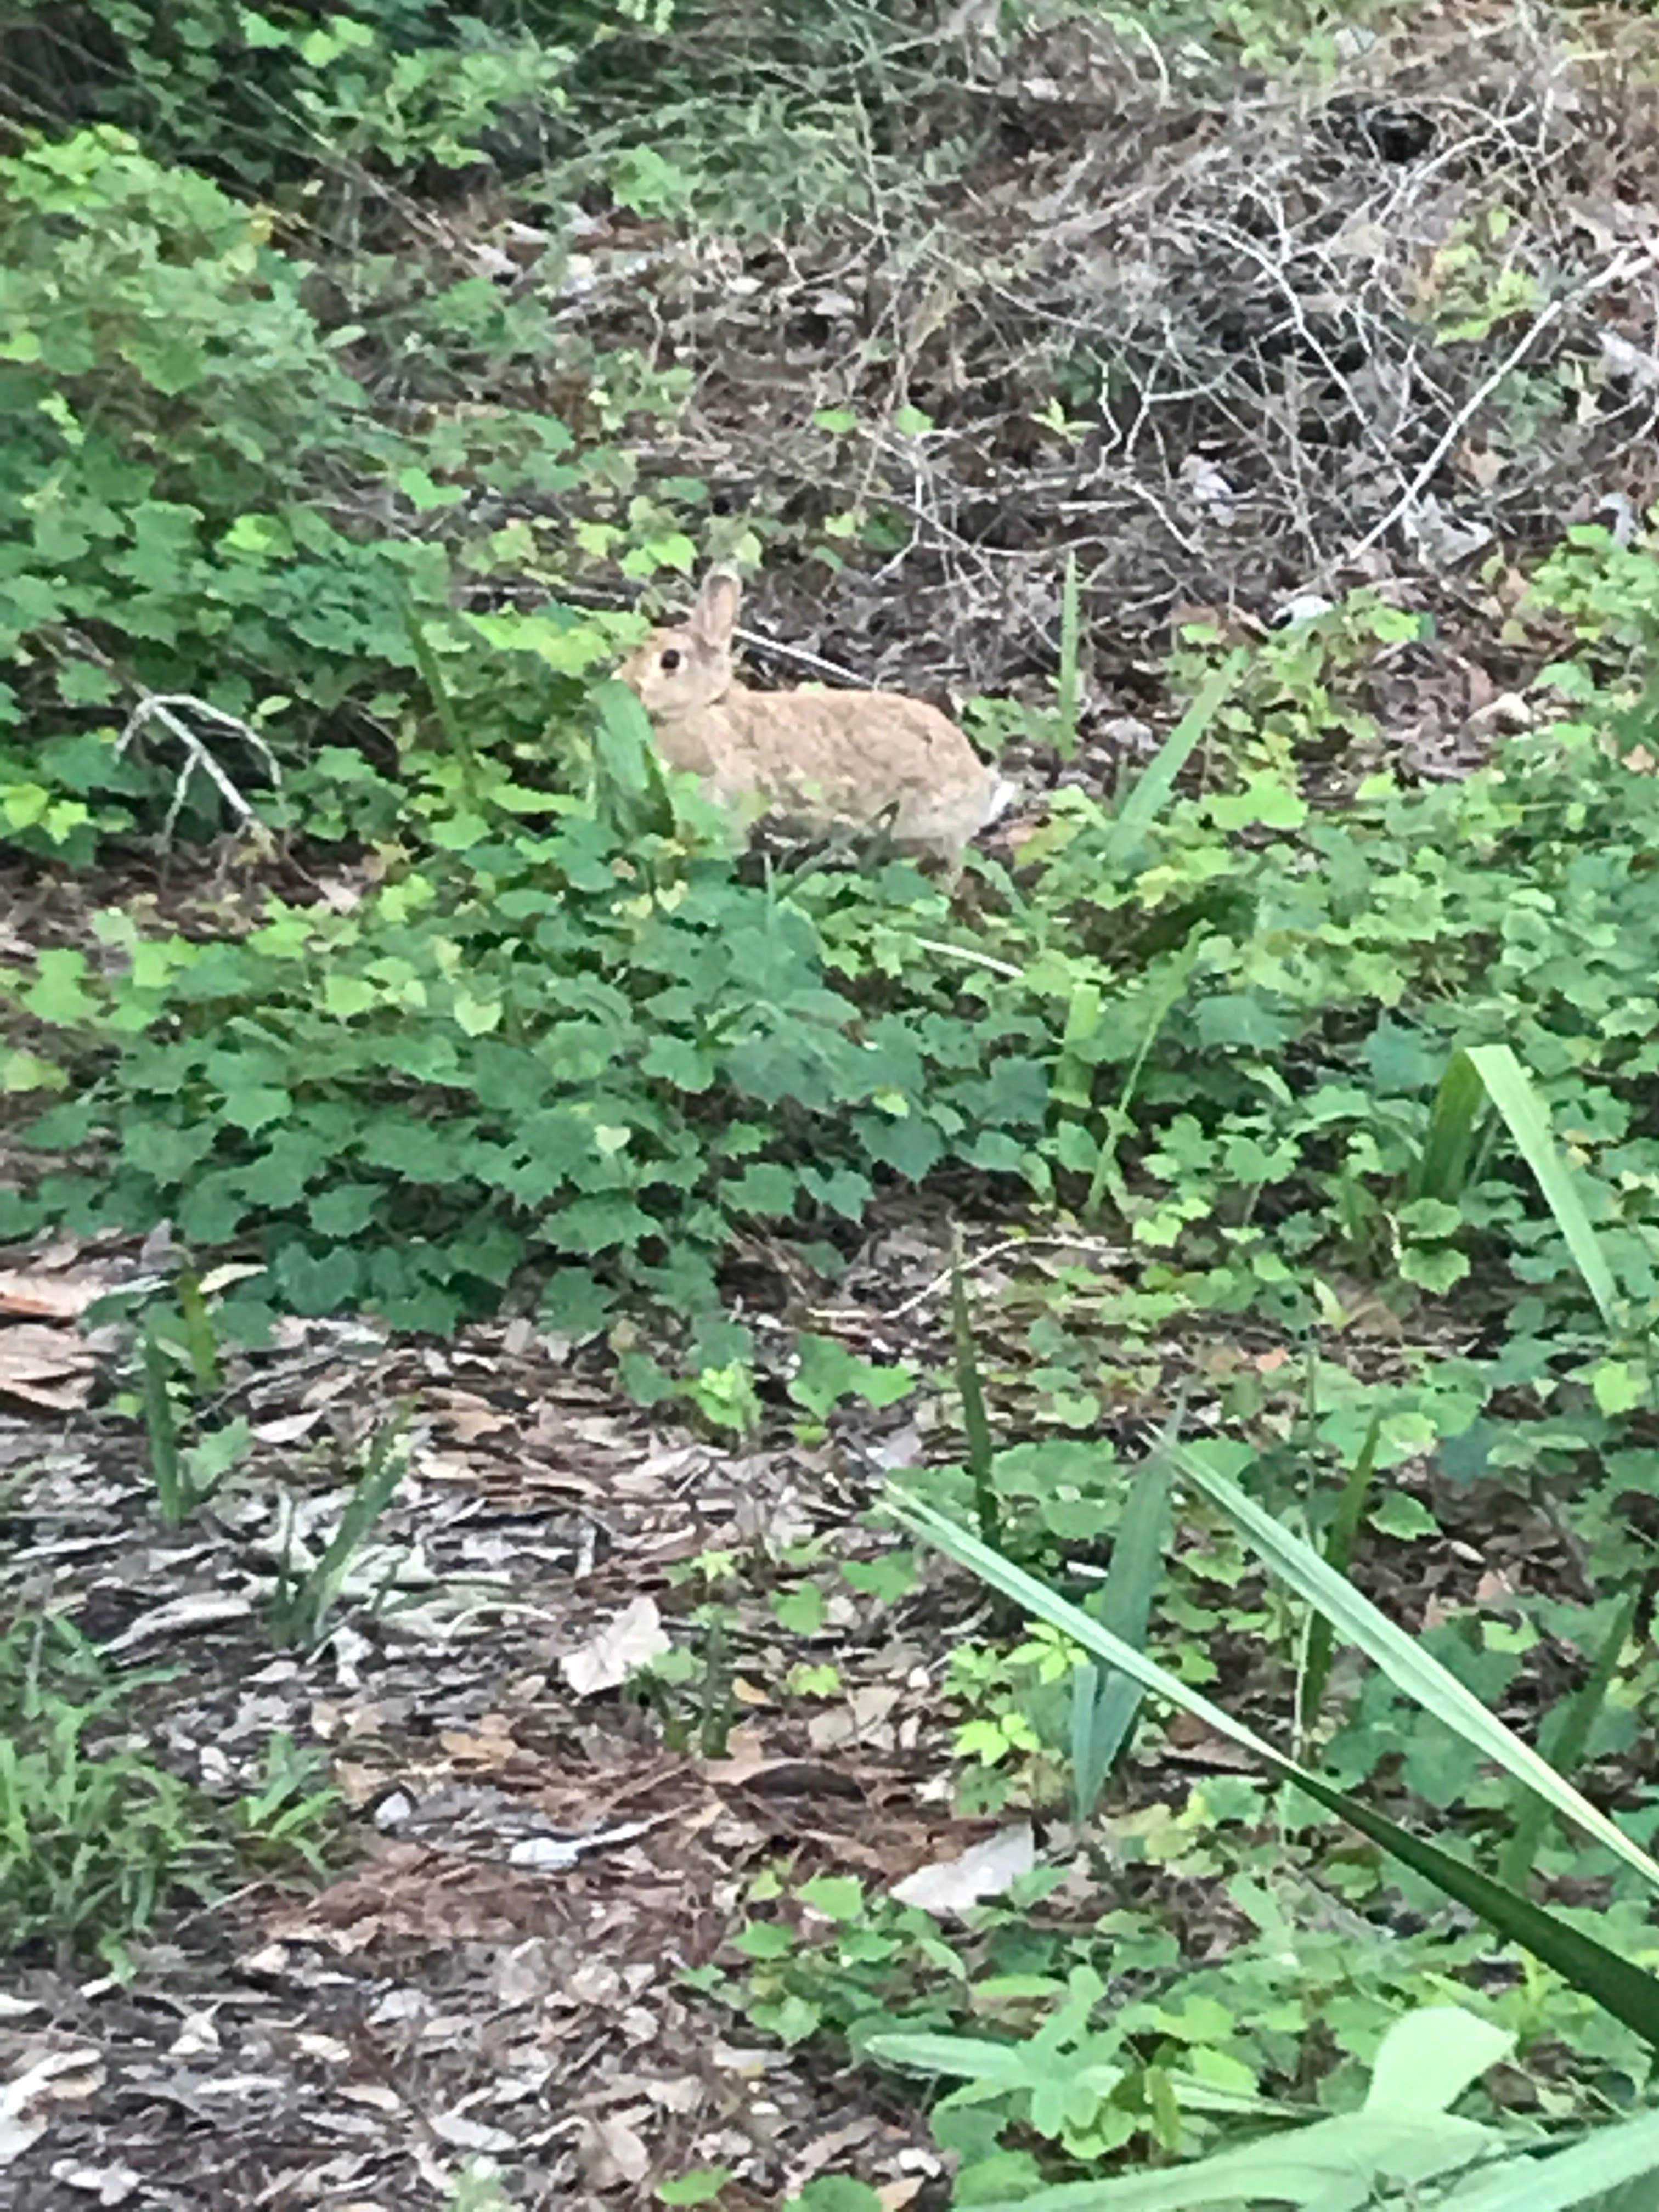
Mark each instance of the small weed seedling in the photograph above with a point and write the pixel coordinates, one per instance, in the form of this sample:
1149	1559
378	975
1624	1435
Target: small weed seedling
306	1590
179	1368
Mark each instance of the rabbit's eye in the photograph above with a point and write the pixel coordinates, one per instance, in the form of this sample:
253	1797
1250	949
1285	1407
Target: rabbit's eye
671	660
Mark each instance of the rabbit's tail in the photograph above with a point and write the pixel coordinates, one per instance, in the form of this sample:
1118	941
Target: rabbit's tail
999	798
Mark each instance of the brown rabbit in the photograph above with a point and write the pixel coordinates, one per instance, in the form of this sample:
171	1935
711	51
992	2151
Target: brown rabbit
817	760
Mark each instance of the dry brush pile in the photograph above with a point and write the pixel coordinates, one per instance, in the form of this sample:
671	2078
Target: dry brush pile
1381	321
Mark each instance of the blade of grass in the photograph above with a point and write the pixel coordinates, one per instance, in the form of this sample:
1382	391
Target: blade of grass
1066	685
1581	2175
1443	1169
1513	1093
162	1428
1579	2178
1151	794
437	690
1402	1658
1103	1709
201	1341
1621	1990
975	1427
1339	1550
1562	1742
1107	1176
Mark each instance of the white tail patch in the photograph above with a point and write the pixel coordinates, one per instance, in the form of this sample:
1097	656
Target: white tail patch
1000	797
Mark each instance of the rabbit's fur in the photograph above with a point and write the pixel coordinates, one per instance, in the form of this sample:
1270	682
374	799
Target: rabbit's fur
815	760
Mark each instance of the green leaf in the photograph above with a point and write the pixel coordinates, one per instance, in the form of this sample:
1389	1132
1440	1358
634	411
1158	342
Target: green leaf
59	994
346	996
253	1107
1433	1268
1618	1387
344	1210
828	1372
679	1061
837	1896
476	1017
27	1071
316	1283
703	2187
800	1611
1429	2059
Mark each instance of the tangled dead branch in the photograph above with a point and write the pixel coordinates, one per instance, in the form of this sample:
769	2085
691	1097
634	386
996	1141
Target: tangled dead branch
1380	329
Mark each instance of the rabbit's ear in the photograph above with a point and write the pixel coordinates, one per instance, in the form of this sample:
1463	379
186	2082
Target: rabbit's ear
714	616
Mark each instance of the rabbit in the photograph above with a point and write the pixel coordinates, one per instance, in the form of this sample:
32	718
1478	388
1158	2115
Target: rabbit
816	760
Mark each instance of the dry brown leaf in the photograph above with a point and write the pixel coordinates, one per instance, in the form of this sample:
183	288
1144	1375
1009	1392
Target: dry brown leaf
627	1642
611	2153
50	1294
47	1367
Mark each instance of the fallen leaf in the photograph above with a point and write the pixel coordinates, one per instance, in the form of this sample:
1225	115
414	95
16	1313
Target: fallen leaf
49	1295
984	1869
611	2153
47	1366
61	2077
626	1643
202	1609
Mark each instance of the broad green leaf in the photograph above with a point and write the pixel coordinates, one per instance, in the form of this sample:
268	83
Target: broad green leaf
476	1017
27	1071
345	996
1428	2058
58	995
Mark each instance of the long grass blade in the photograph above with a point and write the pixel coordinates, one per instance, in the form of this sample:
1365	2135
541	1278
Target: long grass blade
162	1428
1512	1092
1454	1121
1071	642
1615	2157
1403	1659
437	690
1151	794
1563	1741
1339	1550
976	1428
1103	1707
1625	1991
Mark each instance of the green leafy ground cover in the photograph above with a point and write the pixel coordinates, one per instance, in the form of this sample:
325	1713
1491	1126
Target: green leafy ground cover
324	551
